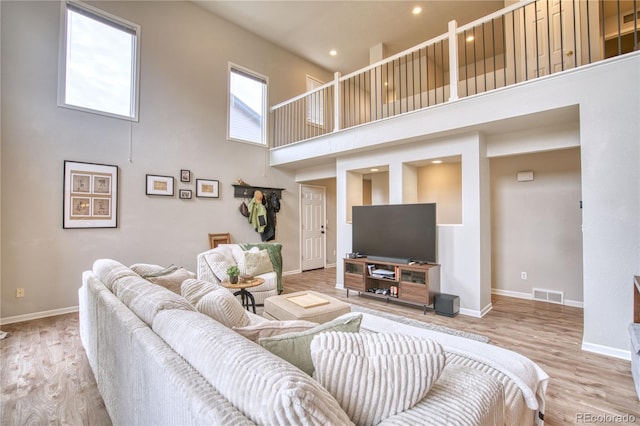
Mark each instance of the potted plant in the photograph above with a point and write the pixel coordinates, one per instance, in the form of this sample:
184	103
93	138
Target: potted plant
233	273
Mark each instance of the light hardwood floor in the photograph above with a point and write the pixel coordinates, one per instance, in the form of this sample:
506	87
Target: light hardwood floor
46	378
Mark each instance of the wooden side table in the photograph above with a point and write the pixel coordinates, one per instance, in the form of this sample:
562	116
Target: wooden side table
241	287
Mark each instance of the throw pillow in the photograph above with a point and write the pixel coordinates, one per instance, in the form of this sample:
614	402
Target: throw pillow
219	262
170	277
295	347
221	305
238	256
376	375
257	263
255	332
193	290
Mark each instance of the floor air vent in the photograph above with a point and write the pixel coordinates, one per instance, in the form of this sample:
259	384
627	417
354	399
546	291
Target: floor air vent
548	295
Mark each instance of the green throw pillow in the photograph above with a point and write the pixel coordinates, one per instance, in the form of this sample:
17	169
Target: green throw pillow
295	347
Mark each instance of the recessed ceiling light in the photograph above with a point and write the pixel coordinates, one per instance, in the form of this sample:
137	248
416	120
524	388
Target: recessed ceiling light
416	10
373	170
333	52
437	161
470	38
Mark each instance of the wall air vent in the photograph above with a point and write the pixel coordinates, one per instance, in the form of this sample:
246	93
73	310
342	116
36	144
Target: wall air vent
551	296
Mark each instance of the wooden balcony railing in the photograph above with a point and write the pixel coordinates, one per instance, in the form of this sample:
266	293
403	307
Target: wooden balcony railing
524	41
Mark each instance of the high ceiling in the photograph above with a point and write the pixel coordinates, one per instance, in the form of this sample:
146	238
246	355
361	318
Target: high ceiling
311	29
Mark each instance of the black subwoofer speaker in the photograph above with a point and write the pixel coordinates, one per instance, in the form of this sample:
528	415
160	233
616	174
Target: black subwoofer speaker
447	305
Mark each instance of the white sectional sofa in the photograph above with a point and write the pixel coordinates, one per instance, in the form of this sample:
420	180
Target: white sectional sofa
161	358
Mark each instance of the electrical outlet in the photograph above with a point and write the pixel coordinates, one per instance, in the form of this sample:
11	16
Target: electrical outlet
19	292
523	275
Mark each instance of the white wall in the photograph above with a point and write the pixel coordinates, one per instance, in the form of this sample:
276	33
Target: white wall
380	188
442	184
537	225
185	52
606	97
464	268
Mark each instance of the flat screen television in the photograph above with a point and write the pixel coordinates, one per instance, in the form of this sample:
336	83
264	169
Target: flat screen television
395	232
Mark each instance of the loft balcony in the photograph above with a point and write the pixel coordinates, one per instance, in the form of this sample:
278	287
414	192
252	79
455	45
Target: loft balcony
520	43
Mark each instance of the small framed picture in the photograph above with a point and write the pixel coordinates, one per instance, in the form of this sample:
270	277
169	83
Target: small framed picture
159	185
207	188
185	176
90	195
185	194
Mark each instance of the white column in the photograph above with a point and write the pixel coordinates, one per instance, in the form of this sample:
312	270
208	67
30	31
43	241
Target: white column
453	61
336	102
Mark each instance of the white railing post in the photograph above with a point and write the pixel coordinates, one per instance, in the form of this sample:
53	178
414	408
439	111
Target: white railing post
453	61
336	102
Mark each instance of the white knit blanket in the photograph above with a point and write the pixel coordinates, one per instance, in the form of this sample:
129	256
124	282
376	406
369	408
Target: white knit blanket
529	377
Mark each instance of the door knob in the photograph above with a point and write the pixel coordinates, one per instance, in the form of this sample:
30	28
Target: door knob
570	53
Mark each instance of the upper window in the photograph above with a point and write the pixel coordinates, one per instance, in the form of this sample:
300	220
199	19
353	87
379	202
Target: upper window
247	106
99	62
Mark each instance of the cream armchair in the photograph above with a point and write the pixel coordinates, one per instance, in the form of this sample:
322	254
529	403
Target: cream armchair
262	260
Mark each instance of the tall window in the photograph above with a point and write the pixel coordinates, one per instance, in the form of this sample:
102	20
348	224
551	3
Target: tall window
99	62
247	106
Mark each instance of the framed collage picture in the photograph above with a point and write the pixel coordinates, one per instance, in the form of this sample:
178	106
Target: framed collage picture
90	195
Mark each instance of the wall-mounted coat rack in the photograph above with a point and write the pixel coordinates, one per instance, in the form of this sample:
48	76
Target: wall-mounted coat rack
246	191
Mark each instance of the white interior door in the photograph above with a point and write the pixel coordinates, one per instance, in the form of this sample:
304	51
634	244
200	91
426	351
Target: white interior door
556	41
313	227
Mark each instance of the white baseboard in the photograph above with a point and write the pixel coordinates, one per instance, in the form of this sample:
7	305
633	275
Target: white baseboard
574	303
476	314
486	310
606	350
295	271
529	296
38	315
470	313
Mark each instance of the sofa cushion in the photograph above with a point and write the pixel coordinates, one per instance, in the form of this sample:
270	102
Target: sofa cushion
257	263
193	290
376	375
265	388
146	299
295	347
170	277
463	395
109	271
254	332
634	334
223	307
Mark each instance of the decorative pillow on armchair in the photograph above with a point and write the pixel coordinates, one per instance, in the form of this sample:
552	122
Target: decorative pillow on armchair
218	263
257	263
376	375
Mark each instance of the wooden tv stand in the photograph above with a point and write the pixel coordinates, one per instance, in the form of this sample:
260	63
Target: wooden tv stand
415	284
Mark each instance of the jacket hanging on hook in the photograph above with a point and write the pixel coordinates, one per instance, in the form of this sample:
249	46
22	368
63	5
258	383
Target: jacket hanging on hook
257	212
